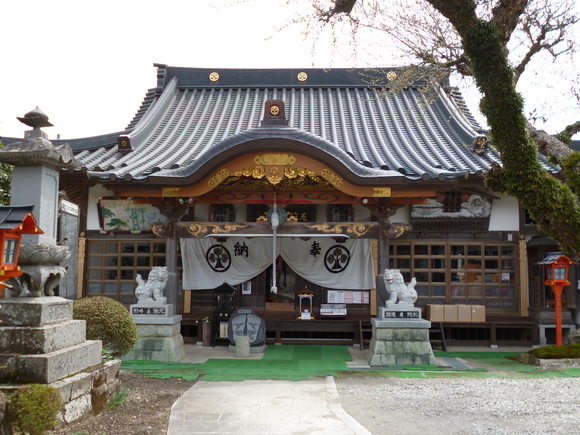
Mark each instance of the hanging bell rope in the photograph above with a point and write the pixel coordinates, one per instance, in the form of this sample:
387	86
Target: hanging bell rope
275	221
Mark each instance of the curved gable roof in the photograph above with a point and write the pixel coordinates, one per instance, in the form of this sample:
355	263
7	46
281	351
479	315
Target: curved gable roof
272	138
189	117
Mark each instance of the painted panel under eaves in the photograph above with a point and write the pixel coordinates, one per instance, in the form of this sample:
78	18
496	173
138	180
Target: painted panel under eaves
504	214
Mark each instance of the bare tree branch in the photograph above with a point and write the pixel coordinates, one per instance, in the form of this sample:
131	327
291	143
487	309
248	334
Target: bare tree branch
549	145
570	130
547	29
506	16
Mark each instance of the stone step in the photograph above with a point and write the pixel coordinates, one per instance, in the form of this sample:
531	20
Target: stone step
41	339
51	367
35	311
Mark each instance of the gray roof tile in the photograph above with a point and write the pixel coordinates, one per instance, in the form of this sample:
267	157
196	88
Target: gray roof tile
188	118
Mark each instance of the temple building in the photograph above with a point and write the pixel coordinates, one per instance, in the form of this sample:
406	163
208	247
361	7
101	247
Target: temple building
298	188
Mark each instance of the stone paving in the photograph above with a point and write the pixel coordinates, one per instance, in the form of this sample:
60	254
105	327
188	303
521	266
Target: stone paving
262	407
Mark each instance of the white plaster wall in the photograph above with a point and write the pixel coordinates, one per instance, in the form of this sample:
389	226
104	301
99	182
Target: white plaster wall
505	214
241	213
361	214
95	193
201	212
321	213
402	215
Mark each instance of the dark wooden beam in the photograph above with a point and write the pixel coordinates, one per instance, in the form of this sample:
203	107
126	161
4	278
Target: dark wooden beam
201	230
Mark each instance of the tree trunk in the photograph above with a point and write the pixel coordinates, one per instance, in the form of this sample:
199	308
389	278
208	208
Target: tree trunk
551	203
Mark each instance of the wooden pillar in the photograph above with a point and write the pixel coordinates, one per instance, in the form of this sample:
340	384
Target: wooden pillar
373	298
523	272
383	260
82	248
82	243
383	252
171	289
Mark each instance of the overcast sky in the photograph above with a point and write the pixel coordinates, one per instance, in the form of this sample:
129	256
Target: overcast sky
88	65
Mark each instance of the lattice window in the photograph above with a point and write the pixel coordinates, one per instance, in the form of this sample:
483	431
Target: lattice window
113	266
452	201
460	272
222	213
340	213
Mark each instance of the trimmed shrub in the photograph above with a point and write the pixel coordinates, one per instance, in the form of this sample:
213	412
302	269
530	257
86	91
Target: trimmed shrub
557	352
34	407
109	321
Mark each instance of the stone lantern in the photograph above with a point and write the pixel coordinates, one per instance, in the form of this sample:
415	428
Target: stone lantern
35	180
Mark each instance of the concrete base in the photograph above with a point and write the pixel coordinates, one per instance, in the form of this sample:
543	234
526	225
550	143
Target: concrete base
159	341
566	331
400	342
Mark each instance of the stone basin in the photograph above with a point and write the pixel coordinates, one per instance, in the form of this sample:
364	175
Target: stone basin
38	253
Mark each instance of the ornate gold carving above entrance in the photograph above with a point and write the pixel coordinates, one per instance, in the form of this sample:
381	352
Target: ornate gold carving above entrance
302	76
331	177
214	76
358	229
275	159
293	178
196	229
257	172
220	176
296	171
274	110
278	171
274	164
274	174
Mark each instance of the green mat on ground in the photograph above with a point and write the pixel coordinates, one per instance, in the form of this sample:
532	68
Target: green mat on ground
297	362
279	362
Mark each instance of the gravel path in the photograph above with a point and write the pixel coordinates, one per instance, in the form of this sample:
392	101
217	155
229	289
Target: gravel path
463	406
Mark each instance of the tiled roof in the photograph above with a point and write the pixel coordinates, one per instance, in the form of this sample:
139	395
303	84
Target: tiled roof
12	217
188	118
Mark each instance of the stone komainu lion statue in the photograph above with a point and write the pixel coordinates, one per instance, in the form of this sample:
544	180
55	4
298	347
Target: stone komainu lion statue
152	289
398	291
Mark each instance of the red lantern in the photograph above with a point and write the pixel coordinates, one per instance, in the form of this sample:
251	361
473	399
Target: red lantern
557	264
14	221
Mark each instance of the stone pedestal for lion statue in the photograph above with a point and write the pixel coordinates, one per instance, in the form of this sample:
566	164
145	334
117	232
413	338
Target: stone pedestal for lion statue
159	331
400	335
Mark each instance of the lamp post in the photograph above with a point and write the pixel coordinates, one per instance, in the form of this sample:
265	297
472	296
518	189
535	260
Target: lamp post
556	264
